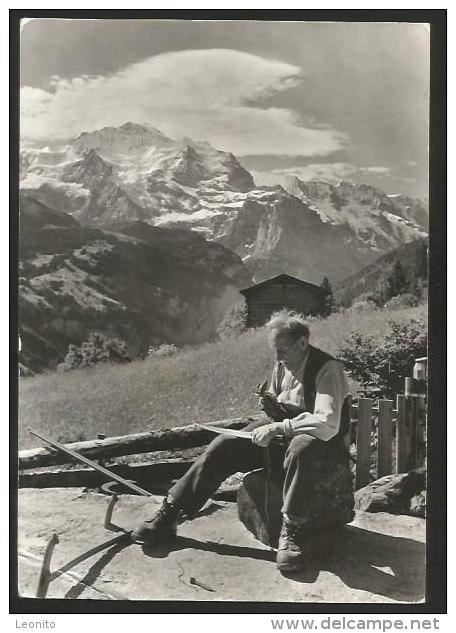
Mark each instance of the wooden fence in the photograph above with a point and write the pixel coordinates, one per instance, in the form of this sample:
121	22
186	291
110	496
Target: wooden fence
390	440
387	439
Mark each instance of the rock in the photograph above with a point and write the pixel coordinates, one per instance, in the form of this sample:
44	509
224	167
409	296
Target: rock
398	494
418	505
259	499
259	502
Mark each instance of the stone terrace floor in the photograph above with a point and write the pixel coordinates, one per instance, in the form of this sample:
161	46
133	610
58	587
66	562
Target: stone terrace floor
379	558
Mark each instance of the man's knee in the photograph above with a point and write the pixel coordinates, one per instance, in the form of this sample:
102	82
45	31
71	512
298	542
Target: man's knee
300	447
221	446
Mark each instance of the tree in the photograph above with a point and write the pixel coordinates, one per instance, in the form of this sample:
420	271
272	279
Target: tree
396	282
420	269
328	301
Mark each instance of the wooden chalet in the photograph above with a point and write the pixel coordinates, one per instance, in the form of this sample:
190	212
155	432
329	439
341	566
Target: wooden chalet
283	291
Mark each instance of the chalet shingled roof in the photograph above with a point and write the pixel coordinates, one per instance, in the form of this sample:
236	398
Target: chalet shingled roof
283	278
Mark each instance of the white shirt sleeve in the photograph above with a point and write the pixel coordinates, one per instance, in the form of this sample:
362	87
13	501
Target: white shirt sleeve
332	389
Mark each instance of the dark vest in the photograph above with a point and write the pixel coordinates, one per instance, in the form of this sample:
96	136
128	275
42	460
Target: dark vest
315	361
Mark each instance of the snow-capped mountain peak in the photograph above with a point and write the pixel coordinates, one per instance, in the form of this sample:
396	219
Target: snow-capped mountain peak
130	138
309	229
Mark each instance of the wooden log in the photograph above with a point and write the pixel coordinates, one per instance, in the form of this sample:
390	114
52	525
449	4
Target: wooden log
181	437
363	439
155	477
89	478
385	438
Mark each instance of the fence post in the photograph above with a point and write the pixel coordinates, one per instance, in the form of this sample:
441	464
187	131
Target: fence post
422	432
420	368
101	436
409	434
348	435
363	439
384	438
402	434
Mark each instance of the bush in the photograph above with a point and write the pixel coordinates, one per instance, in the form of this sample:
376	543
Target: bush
381	365
167	349
234	322
403	301
363	304
312	318
98	349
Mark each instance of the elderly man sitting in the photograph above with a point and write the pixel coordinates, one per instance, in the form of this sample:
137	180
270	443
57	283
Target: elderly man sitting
306	403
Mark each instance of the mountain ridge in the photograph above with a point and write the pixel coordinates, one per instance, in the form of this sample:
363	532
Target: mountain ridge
143	284
370	281
137	173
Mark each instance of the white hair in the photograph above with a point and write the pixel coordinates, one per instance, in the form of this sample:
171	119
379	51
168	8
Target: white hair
288	322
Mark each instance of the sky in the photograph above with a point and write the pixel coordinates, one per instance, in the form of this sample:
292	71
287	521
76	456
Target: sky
321	101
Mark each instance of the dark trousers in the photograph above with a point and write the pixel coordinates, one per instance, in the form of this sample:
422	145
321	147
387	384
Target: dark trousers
226	455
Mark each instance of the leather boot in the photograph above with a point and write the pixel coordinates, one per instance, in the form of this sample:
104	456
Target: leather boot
161	528
290	554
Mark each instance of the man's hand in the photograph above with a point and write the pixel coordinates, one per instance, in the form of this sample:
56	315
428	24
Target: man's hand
267	405
263	435
273	409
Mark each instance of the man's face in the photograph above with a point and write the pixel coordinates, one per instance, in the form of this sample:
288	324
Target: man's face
289	351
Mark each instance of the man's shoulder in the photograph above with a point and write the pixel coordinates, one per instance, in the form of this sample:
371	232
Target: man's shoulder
319	355
324	362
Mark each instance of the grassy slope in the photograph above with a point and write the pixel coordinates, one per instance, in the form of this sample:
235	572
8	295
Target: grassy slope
211	382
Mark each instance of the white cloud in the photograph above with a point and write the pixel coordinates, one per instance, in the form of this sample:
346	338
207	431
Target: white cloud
208	94
406	179
379	171
328	172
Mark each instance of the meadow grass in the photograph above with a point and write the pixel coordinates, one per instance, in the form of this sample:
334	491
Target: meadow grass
213	381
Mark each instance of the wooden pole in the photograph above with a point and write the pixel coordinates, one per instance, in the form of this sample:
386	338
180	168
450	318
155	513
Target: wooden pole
408	432
85	460
420	368
161	440
385	438
410	438
363	439
422	432
102	436
401	433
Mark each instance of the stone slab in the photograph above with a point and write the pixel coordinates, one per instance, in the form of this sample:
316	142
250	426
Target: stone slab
378	558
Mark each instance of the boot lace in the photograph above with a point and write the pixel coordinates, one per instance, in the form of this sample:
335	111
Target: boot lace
167	512
291	533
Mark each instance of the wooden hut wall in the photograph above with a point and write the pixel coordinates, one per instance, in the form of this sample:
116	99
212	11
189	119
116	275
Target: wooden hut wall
262	302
